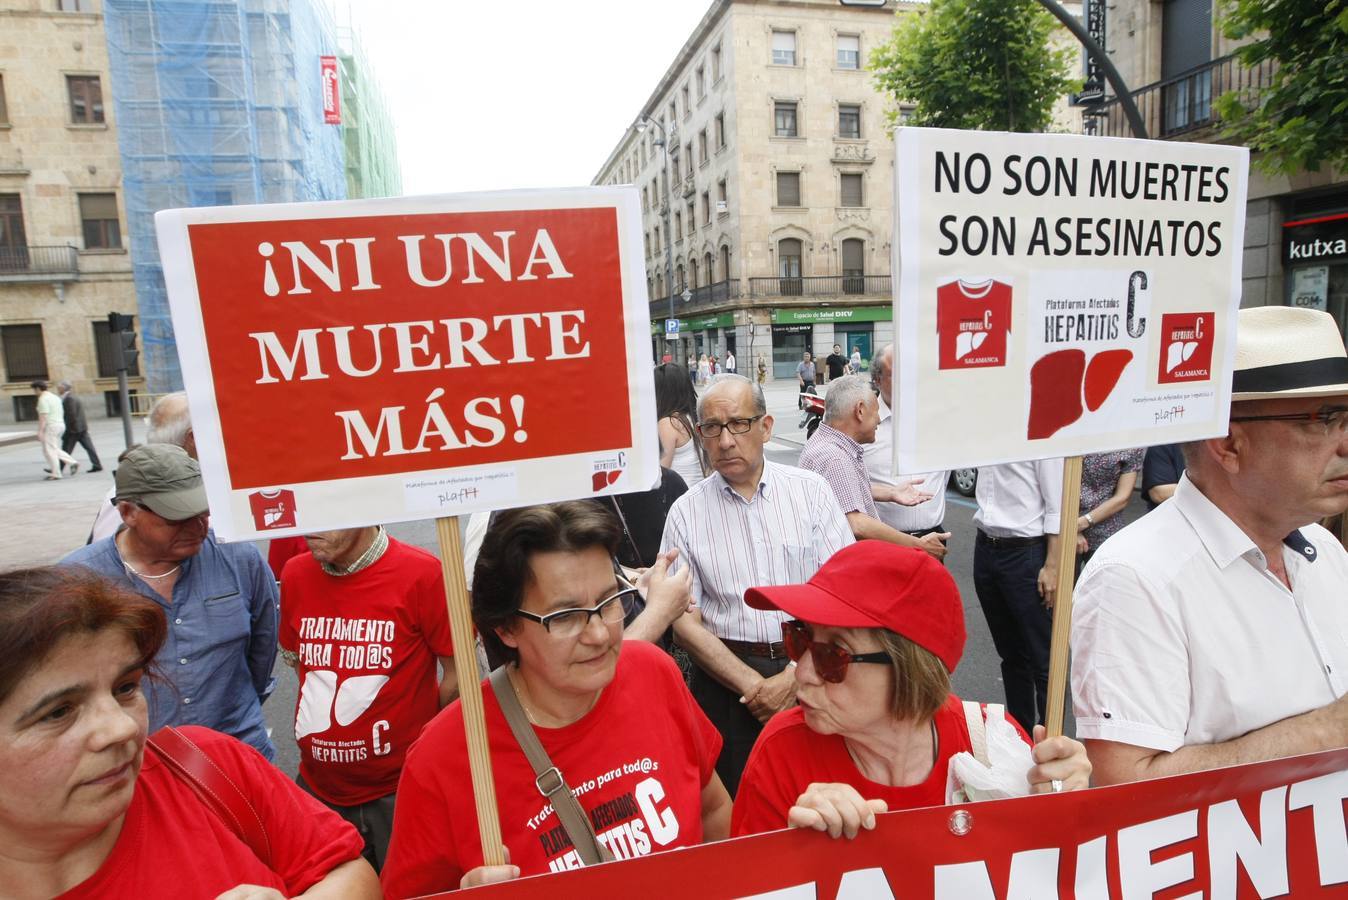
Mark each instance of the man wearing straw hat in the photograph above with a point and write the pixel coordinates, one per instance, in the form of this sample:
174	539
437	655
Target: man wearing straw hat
1214	631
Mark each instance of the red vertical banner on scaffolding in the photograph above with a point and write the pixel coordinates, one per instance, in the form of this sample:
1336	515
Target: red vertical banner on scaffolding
332	97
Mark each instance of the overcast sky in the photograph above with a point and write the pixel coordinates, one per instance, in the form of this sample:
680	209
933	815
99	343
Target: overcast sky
515	93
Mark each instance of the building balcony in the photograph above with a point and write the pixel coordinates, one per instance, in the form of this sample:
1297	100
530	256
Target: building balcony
769	291
37	264
819	286
1181	106
705	297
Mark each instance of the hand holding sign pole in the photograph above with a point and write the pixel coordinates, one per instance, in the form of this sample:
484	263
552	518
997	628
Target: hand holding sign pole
383	361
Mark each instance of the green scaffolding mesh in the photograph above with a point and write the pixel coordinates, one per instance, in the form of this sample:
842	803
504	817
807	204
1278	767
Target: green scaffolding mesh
372	168
218	102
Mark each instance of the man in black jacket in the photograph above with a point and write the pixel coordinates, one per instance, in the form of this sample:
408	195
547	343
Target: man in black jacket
77	426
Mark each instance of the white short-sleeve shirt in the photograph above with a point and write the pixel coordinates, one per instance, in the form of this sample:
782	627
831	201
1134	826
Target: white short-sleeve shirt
1181	635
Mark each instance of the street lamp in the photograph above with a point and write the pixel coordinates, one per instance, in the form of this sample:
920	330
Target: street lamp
663	143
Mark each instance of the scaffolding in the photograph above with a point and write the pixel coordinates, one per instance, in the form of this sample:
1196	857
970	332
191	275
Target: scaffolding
218	103
372	168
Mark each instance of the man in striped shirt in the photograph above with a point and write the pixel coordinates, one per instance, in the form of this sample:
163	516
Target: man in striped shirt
851	415
750	523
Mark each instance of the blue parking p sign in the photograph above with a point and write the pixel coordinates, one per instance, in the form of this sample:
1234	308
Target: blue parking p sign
671	326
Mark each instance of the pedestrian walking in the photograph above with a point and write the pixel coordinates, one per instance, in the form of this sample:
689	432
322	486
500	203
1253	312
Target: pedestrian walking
762	369
77	426
51	426
730	362
1107	481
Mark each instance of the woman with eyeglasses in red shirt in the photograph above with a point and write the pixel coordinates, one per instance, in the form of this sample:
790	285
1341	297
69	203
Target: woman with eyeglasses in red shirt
878	632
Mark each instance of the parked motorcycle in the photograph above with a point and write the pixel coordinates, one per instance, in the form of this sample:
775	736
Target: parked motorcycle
812	406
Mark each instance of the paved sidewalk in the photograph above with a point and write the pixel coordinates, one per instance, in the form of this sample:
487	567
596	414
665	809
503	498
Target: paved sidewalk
45	520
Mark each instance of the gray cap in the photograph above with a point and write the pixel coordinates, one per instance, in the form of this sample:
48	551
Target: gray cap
165	479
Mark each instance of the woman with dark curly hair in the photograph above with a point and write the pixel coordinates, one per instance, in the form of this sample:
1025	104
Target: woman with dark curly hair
613	717
88	810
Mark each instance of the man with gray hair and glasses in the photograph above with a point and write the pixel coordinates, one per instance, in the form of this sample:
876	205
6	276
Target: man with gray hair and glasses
851	416
750	523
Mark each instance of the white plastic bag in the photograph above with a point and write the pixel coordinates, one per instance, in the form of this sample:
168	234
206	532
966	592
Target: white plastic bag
1003	771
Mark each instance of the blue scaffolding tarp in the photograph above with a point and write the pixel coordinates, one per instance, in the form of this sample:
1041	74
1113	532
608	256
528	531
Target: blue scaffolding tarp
217	102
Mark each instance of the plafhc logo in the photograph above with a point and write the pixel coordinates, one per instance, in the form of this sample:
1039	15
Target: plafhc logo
608	470
1186	347
272	509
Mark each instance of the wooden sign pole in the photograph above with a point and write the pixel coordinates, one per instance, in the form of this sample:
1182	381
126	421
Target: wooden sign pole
470	689
1070	511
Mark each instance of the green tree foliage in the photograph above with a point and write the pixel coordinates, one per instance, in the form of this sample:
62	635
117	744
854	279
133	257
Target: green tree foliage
1301	120
976	64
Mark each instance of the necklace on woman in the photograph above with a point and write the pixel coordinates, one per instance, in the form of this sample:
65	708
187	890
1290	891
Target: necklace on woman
143	575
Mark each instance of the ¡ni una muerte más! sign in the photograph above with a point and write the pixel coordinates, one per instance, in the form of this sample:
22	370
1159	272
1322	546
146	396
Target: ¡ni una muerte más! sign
1064	294
386	360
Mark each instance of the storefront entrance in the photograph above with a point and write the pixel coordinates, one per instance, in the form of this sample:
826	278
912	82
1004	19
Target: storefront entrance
789	343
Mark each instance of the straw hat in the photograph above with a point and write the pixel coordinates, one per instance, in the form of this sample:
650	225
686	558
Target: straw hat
1284	352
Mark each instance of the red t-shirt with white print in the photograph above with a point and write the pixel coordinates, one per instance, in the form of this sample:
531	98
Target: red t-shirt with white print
367	645
638	763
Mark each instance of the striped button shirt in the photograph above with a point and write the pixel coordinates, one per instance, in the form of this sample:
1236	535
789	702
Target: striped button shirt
780	536
842	462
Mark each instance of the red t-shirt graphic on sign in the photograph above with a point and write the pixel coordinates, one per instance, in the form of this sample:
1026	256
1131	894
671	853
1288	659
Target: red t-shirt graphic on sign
972	321
272	509
367	645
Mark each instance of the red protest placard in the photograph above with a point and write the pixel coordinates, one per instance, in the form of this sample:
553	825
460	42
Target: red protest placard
336	351
1273	829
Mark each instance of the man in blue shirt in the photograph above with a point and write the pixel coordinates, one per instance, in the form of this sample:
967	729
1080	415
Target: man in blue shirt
220	599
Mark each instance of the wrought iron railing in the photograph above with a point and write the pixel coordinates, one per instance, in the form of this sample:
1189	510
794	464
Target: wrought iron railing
704	297
38	261
1184	103
818	286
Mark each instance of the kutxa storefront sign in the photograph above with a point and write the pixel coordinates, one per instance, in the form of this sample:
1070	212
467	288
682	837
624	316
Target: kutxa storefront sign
1320	238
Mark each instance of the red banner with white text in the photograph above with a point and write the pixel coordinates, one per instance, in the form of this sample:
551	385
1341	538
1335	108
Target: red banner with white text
1273	829
332	91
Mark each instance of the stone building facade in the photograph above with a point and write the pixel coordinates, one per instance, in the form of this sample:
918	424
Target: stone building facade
779	177
778	173
1177	63
64	261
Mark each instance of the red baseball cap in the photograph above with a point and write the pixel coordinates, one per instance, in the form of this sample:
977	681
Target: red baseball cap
876	584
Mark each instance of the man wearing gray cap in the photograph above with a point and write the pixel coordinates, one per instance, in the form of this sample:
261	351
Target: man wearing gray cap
220	599
1213	631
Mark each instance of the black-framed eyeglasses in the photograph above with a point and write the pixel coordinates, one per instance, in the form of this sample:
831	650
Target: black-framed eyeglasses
734	426
1331	418
567	623
830	660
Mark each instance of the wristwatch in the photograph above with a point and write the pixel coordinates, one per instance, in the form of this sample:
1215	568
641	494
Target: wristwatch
1089	521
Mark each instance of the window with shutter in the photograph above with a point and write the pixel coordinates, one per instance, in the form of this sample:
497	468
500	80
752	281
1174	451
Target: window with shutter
98	217
25	355
783	48
851	190
849	51
788	189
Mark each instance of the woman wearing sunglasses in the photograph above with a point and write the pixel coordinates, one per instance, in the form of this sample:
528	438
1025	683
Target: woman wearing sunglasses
614	717
878	631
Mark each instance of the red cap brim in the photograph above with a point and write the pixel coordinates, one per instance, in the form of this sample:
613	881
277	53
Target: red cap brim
810	604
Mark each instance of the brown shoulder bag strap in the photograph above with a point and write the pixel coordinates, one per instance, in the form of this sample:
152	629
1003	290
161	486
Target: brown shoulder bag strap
548	780
216	789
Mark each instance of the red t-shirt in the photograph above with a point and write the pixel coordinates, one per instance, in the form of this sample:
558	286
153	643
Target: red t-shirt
638	762
367	645
280	550
972	322
173	845
788	757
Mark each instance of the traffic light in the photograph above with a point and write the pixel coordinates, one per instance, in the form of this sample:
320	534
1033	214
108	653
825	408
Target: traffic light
124	353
